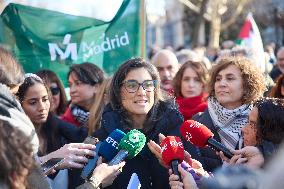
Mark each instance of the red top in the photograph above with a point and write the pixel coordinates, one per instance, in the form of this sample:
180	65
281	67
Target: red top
68	116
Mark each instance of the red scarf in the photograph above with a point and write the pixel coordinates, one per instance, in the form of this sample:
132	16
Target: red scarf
68	117
190	106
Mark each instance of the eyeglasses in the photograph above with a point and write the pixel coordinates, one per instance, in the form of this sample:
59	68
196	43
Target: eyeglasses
55	90
132	86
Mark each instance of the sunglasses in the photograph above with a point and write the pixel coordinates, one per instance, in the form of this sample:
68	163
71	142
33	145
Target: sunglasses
55	90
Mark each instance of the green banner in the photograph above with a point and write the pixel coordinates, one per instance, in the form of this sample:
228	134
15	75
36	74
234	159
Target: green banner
42	38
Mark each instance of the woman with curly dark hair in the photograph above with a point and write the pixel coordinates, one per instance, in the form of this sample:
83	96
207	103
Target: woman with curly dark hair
234	84
16	157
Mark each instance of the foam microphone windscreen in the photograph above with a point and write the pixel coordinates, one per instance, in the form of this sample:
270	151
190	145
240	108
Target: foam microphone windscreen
172	149
196	133
133	142
109	147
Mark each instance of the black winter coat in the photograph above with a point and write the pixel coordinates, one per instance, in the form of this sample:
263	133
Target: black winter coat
150	173
65	133
275	73
208	157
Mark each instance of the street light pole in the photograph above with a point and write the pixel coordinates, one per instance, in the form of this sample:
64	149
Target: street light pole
275	15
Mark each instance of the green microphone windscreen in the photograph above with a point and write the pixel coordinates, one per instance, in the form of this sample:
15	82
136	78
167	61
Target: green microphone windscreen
133	142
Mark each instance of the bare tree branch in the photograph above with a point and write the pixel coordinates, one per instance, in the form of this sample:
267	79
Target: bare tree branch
198	23
195	9
235	14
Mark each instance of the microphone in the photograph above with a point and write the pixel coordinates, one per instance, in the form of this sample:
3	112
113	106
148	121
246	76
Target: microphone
172	152
130	145
199	135
107	149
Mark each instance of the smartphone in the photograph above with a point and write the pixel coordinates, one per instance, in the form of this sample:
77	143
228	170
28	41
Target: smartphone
92	163
51	164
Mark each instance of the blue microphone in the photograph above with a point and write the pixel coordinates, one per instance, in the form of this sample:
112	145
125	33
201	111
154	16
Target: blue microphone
109	146
107	149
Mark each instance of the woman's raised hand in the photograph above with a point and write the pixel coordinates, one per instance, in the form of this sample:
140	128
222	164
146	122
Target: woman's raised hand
74	155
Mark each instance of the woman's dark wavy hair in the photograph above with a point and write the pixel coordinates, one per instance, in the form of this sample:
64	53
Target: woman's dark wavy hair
276	90
270	120
29	81
87	73
16	153
118	79
49	77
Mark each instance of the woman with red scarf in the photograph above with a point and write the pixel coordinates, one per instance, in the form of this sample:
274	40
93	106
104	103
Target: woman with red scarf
189	84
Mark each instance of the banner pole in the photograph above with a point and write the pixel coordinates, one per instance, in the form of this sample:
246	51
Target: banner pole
142	28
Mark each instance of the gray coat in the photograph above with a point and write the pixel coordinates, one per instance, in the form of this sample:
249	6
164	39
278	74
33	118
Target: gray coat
11	111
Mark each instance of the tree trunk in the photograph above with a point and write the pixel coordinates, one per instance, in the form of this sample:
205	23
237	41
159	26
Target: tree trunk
196	39
215	25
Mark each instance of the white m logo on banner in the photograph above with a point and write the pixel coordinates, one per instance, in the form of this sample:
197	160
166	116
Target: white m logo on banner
71	49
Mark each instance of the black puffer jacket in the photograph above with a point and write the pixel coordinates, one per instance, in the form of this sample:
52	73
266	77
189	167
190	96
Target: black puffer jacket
150	173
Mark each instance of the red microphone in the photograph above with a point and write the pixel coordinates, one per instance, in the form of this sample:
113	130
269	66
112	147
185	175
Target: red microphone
199	135
172	152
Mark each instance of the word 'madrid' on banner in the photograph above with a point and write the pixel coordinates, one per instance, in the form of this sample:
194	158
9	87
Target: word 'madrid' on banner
53	35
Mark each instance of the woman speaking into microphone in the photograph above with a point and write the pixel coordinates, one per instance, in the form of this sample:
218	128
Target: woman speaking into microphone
136	103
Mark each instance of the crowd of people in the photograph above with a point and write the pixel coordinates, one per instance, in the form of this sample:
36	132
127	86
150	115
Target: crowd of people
225	91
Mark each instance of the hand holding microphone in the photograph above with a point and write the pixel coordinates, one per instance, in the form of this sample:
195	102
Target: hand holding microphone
107	149
199	135
157	151
73	155
249	156
187	181
106	174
